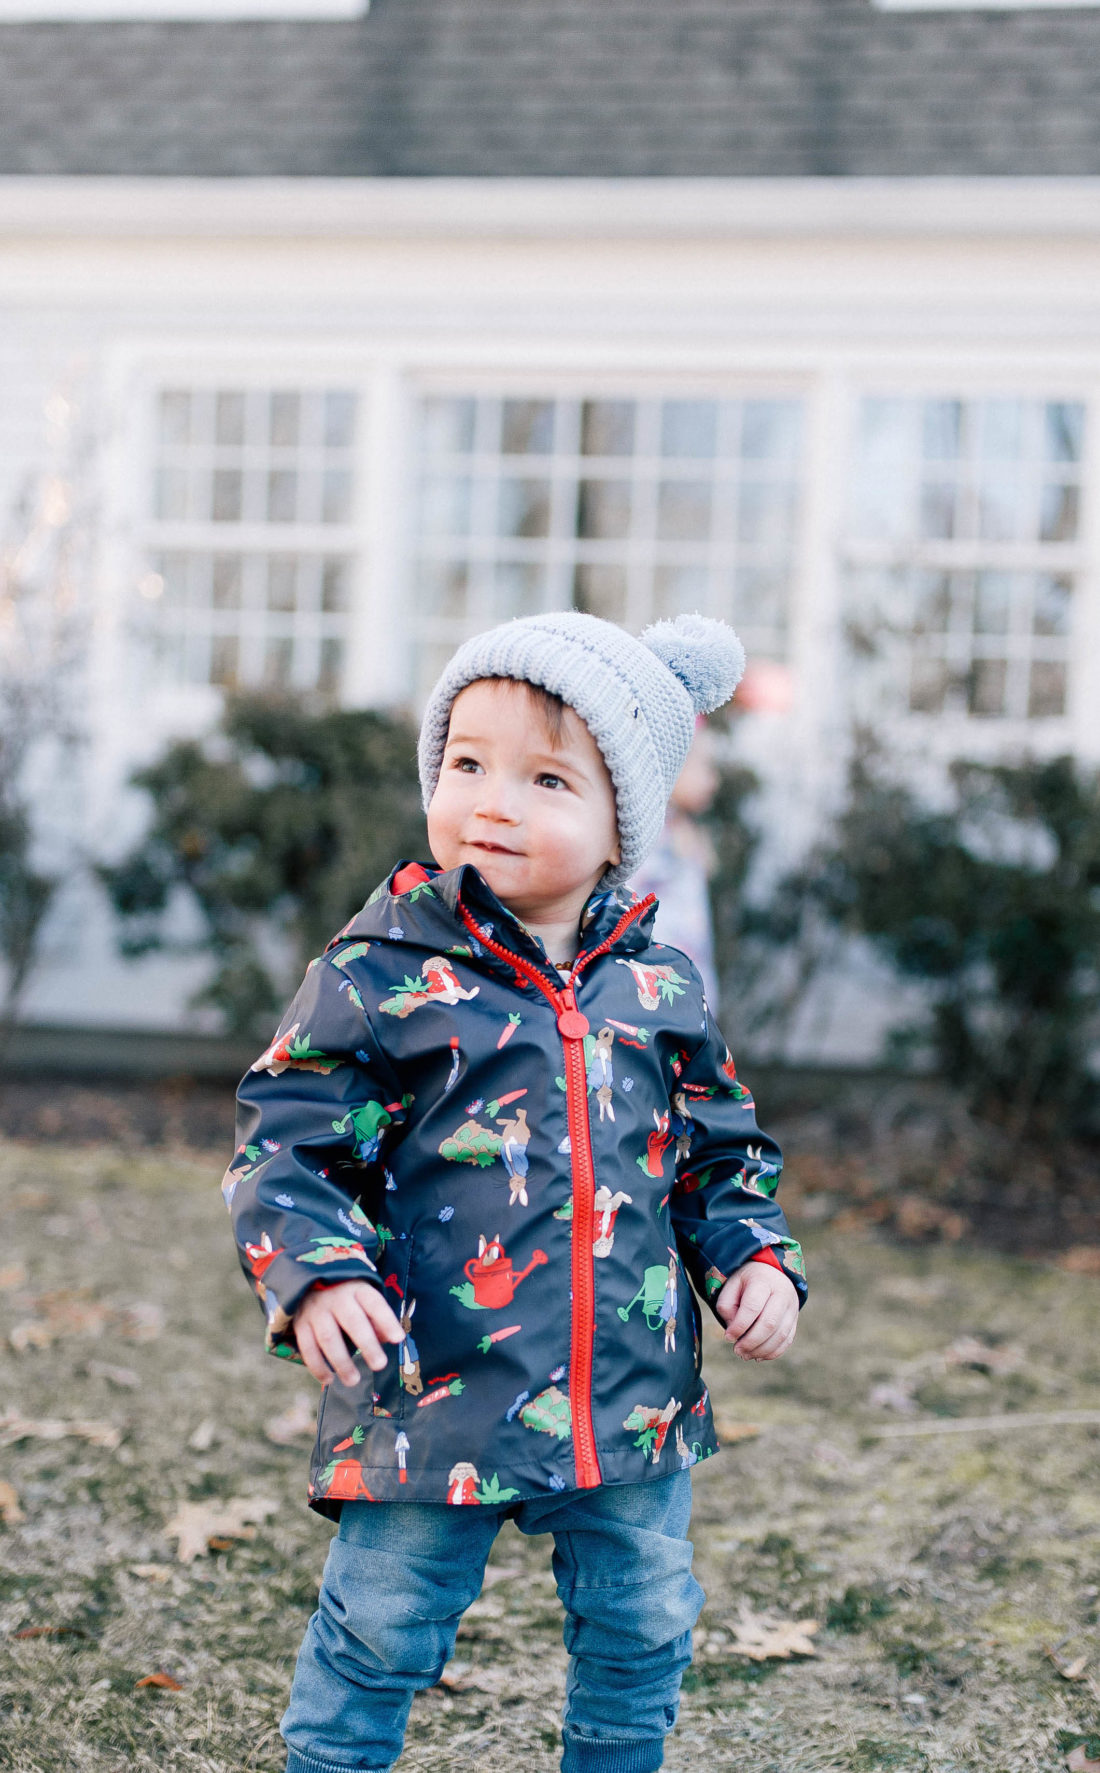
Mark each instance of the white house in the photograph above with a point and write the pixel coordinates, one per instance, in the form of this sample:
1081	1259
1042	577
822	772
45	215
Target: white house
344	336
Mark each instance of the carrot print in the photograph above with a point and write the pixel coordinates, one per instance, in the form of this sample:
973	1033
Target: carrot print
454	1389
498	1336
513	1024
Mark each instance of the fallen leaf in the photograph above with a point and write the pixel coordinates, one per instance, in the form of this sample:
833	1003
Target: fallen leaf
204	1436
894	1394
142	1322
121	1376
19	1428
50	1631
30	1333
1078	1760
762	1637
160	1679
12	1276
729	1430
1069	1671
194	1524
1081	1259
152	1572
10	1511
297	1421
986	1357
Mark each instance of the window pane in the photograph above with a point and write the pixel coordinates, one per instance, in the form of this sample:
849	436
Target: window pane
226	581
227	495
678	590
938	510
1058	514
224	661
771	430
607	428
175	417
760	597
173	569
336	496
993	603
928	683
765	512
445	506
988	678
1063	431
334	587
331	666
519	589
286	414
1002	509
282	495
601	591
524	508
442	587
1047	690
278	662
448	426
1053	593
527	427
683	511
282	582
604	510
171	494
1002	429
689	428
229	418
931	603
338	419
887	431
942	430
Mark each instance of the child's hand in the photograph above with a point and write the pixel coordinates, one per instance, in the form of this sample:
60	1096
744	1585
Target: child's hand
327	1312
759	1307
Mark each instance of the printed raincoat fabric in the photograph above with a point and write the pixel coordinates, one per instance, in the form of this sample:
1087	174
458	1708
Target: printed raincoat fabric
530	1170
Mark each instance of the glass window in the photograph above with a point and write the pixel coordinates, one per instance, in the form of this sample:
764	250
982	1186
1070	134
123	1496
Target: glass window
236	606
632	509
963	550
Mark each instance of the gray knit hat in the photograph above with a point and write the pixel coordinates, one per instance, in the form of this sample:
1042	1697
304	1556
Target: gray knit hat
637	697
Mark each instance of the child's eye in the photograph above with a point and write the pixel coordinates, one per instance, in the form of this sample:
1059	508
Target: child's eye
546	780
467	764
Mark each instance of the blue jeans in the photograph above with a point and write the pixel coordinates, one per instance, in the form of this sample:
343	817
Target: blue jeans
399	1577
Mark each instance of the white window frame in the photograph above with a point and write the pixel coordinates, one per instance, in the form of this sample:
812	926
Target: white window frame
945	736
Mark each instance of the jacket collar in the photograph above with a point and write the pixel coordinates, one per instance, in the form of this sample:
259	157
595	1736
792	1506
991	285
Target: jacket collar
419	903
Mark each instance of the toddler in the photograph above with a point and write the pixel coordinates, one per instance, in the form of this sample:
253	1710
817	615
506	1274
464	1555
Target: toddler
494	1140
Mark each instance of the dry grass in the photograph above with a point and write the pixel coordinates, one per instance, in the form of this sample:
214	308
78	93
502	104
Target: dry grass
939	1567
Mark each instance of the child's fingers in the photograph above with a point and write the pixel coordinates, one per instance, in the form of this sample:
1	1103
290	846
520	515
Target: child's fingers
352	1317
771	1333
380	1313
330	1341
314	1360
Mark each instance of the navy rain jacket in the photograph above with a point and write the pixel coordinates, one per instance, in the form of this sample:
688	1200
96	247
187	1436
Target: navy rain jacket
525	1168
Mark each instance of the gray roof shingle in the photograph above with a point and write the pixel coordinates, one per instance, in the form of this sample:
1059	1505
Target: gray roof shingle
560	88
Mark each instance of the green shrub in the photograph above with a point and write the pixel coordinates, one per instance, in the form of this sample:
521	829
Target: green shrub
275	829
993	903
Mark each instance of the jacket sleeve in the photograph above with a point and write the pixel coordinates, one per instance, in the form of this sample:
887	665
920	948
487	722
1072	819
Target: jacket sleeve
313	1117
722	1203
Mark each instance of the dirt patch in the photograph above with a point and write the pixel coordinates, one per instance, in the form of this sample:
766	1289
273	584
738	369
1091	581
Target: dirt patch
943	1563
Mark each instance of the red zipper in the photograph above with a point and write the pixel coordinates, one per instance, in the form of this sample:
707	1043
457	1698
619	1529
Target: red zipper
573	1026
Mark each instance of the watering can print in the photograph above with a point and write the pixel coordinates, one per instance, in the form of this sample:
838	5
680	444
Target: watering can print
495	1281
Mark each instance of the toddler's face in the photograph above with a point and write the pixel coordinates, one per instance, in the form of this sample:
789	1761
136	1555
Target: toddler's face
536	815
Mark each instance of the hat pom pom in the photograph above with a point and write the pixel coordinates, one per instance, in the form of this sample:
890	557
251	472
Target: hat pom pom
704	654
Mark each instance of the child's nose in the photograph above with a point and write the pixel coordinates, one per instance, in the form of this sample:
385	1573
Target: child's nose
498	800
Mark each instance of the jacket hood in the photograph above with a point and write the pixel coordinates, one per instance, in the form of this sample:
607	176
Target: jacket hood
419	903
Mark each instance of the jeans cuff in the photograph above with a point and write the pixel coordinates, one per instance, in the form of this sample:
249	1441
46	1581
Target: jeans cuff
593	1754
300	1763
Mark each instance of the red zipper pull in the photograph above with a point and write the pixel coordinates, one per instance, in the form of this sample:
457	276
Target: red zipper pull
571	1022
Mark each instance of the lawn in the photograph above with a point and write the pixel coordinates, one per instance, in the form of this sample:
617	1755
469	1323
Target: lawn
954	1573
